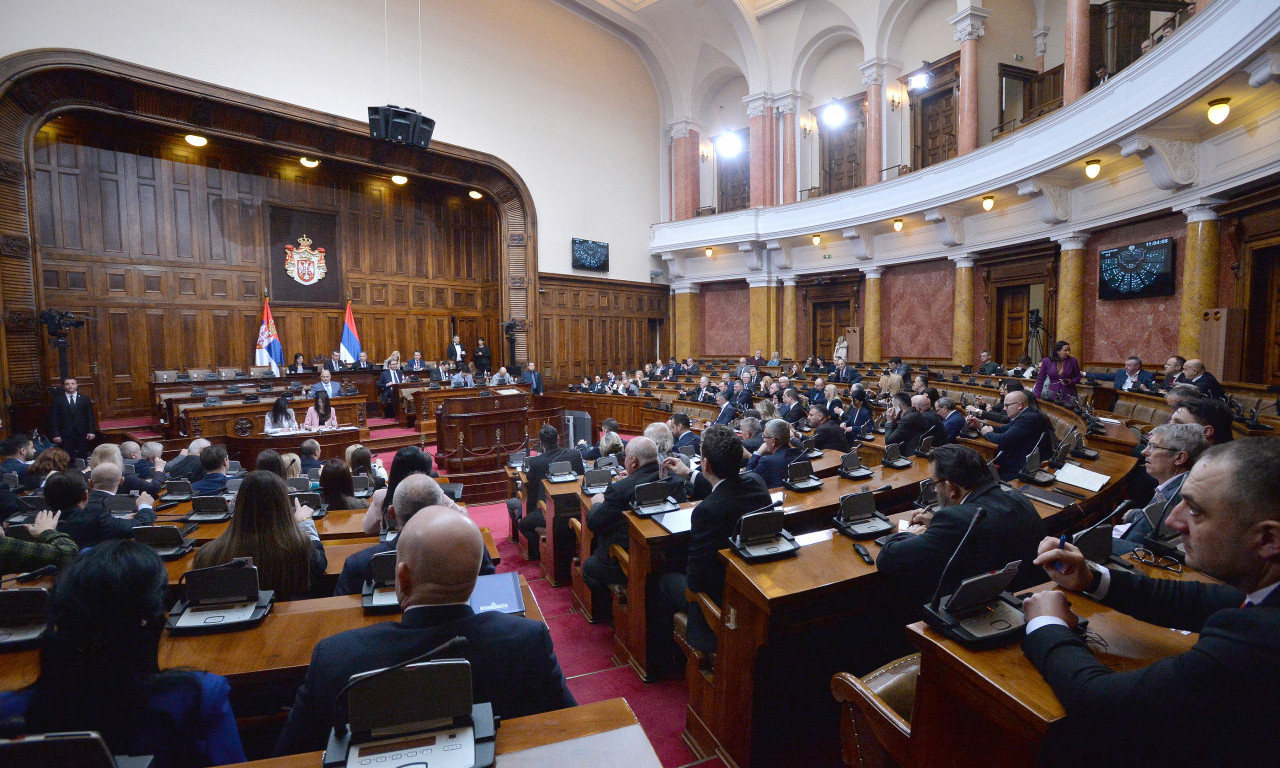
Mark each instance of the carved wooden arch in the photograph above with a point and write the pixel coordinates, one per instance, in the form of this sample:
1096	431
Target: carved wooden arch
39	84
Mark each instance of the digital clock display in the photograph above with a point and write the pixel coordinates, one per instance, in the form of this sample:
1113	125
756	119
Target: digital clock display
1136	271
590	254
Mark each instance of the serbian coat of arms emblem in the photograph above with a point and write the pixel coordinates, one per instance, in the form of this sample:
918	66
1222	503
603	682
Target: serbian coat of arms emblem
304	264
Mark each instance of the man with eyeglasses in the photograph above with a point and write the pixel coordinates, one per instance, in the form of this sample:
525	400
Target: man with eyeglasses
1170	452
770	460
1027	429
1214	704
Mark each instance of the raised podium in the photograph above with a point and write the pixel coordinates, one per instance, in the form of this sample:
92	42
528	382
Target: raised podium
474	436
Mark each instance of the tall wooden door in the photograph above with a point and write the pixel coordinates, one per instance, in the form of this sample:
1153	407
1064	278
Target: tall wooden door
938	123
1265	308
733	178
829	321
1013	307
842	149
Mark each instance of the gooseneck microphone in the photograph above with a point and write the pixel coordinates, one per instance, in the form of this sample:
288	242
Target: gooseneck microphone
936	601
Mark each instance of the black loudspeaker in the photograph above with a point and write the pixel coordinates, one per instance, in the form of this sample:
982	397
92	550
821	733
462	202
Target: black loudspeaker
401	125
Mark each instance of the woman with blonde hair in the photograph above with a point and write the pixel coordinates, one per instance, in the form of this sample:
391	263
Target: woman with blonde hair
395	355
890	384
767	410
292	465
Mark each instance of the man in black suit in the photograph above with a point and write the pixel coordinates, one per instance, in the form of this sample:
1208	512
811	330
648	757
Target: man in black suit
907	422
326	384
741	398
417	364
608	521
1193	372
513	665
704	392
770	460
1214	704
751	431
682	432
1173	371
1012	529
362	363
727	409
386	389
727	496
532	378
1027	429
791	411
690	367
214	461
17	452
826	433
1213	416
818	395
105	481
186	465
334	363
309	452
456	351
549	439
68	493
71	420
415	492
900	368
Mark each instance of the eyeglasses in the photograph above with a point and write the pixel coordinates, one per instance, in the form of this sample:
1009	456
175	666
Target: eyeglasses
1147	557
1161	448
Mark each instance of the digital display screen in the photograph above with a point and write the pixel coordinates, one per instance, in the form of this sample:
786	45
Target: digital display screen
590	254
1136	271
398	746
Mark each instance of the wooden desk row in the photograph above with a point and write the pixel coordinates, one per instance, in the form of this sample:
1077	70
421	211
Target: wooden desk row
164	395
239	419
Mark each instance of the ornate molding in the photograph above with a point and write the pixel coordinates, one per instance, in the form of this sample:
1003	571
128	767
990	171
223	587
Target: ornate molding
873	71
1265	68
969	23
20	321
680	129
757	104
872	273
862	240
1202	210
675	264
964	260
753	253
686	288
243	427
1171	163
949	224
787	103
781	254
1074	241
1053	203
15	246
518	281
762	281
1041	37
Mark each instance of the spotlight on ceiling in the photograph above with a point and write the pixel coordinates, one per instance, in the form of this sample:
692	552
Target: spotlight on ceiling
897	225
475	194
708	251
817	239
308	162
398	179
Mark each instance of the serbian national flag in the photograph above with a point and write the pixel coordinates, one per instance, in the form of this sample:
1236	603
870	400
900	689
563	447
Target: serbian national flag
268	352
349	347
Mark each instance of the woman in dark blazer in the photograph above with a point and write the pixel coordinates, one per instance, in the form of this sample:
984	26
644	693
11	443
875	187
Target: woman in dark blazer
1060	371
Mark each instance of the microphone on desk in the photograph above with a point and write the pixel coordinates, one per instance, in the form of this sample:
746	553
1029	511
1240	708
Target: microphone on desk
936	601
30	576
340	725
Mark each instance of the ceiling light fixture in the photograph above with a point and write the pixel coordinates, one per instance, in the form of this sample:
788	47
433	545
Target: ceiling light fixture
475	194
308	162
1218	110
398	179
1092	168
708	251
988	202
196	141
817	239
897	225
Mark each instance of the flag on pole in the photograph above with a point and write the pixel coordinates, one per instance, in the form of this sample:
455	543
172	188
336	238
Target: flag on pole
269	351
349	347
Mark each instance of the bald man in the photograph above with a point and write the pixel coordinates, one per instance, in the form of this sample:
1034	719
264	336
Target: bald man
1193	372
909	422
513	665
1027	429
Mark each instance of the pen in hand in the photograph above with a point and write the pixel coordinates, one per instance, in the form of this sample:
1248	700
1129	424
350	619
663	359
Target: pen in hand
1062	544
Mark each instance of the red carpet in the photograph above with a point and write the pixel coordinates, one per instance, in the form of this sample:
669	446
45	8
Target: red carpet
140	421
373	423
381	432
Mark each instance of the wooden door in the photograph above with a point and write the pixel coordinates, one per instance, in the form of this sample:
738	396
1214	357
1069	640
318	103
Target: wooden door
938	123
1267	262
842	150
829	321
734	178
1013	306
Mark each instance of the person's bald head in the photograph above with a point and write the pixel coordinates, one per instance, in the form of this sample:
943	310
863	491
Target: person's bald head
415	492
438	558
640	452
921	403
105	477
130	450
1193	368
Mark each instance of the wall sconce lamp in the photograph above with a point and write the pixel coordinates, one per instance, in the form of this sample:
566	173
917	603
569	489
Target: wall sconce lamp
708	251
807	127
1092	168
897	225
895	101
817	239
704	151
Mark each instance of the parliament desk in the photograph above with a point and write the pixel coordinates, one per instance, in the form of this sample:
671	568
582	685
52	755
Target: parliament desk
336	525
270	657
993	708
423	401
333	443
557	547
165	394
240	419
605	734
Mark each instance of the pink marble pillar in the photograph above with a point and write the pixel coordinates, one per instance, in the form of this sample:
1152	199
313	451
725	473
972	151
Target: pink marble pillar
968	24
789	156
685	172
875	132
764	155
1075	70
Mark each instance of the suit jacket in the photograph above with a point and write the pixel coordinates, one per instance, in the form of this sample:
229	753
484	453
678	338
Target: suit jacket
712	524
538	468
534	380
753	443
1206	383
329	365
703	395
67	421
92	523
359	366
455	352
773	468
1145	379
1207	706
1063	384
792	414
1016	439
484	356
909	431
741	399
688	437
384	379
333	390
954	424
414	365
608	520
185	468
831	435
990	368
855	418
726	415
513	666
1012	530
355	570
212	484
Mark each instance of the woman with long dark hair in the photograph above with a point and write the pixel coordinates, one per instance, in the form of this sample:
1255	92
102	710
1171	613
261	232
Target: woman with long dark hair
336	489
361	461
299	364
270	461
1061	371
858	413
320	414
279	536
408	460
99	669
281	415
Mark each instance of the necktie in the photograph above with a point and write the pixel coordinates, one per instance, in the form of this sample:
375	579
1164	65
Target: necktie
73	401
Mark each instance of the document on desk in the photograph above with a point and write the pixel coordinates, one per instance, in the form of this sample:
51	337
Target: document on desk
1106	420
625	747
1081	478
679	521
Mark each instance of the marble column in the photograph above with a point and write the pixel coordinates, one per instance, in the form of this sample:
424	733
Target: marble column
765	313
763	146
686	336
968	24
1040	36
685	170
1199	275
1070	321
786	107
962	322
1075	68
788	342
871	313
873	79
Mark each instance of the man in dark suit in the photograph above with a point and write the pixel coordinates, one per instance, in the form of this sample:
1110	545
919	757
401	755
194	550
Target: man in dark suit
417	364
1213	416
1170	453
690	367
415	492
549	439
214	461
1027	430
17	452
1012	529
1215	703
726	496
105	481
484	357
741	396
334	363
770	460
907	422
71	420
952	418
532	378
326	384
186	465
386	387
703	393
827	433
68	493
681	430
727	410
310	455
902	369
751	431
791	410
1132	378
362	363
513	665
456	351
1173	371
818	395
607	519
1193	372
